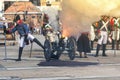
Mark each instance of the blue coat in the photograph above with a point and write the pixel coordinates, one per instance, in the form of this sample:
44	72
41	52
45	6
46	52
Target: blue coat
22	29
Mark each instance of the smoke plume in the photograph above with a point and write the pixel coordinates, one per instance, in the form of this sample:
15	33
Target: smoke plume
78	15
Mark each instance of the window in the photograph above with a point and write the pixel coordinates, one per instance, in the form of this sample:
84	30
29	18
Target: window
7	4
33	16
48	3
36	2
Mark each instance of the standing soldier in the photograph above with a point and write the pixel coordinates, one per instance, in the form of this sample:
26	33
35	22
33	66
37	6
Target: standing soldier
118	34
45	22
93	31
115	32
112	33
103	35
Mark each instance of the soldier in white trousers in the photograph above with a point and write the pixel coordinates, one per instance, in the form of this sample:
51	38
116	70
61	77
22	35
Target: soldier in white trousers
103	35
25	36
115	33
93	30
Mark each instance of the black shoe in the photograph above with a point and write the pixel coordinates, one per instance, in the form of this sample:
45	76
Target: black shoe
96	55
112	48
81	57
85	57
18	60
91	48
104	55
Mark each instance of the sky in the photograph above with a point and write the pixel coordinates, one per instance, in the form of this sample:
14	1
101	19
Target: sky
78	15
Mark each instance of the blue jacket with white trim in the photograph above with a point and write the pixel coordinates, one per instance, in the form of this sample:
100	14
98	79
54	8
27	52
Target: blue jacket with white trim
22	29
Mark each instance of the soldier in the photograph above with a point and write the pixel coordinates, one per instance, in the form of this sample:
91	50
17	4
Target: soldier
93	33
115	32
25	35
103	35
118	34
45	22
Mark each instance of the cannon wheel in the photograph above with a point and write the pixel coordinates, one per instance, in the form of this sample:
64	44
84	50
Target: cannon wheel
47	50
71	48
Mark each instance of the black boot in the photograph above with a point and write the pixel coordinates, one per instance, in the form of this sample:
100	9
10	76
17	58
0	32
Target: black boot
117	45
97	50
113	44
35	40
80	54
104	48
20	54
85	55
92	45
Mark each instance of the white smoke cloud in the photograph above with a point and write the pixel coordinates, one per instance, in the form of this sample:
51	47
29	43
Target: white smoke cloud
78	15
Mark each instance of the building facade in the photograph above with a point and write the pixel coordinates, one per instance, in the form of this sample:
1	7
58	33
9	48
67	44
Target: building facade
51	2
33	17
4	4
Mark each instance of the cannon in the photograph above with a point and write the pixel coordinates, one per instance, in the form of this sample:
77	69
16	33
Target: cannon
55	44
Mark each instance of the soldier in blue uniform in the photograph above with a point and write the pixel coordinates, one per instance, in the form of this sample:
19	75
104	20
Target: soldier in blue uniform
25	35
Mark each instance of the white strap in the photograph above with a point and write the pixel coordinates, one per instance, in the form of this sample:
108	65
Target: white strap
116	20
104	25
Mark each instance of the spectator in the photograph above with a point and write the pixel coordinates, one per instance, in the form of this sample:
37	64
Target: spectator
83	44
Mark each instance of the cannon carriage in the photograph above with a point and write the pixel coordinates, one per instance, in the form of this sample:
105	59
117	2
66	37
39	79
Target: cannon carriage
55	44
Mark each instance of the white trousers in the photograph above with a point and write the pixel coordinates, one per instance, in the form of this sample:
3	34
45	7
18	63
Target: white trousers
116	34
22	42
103	38
92	34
